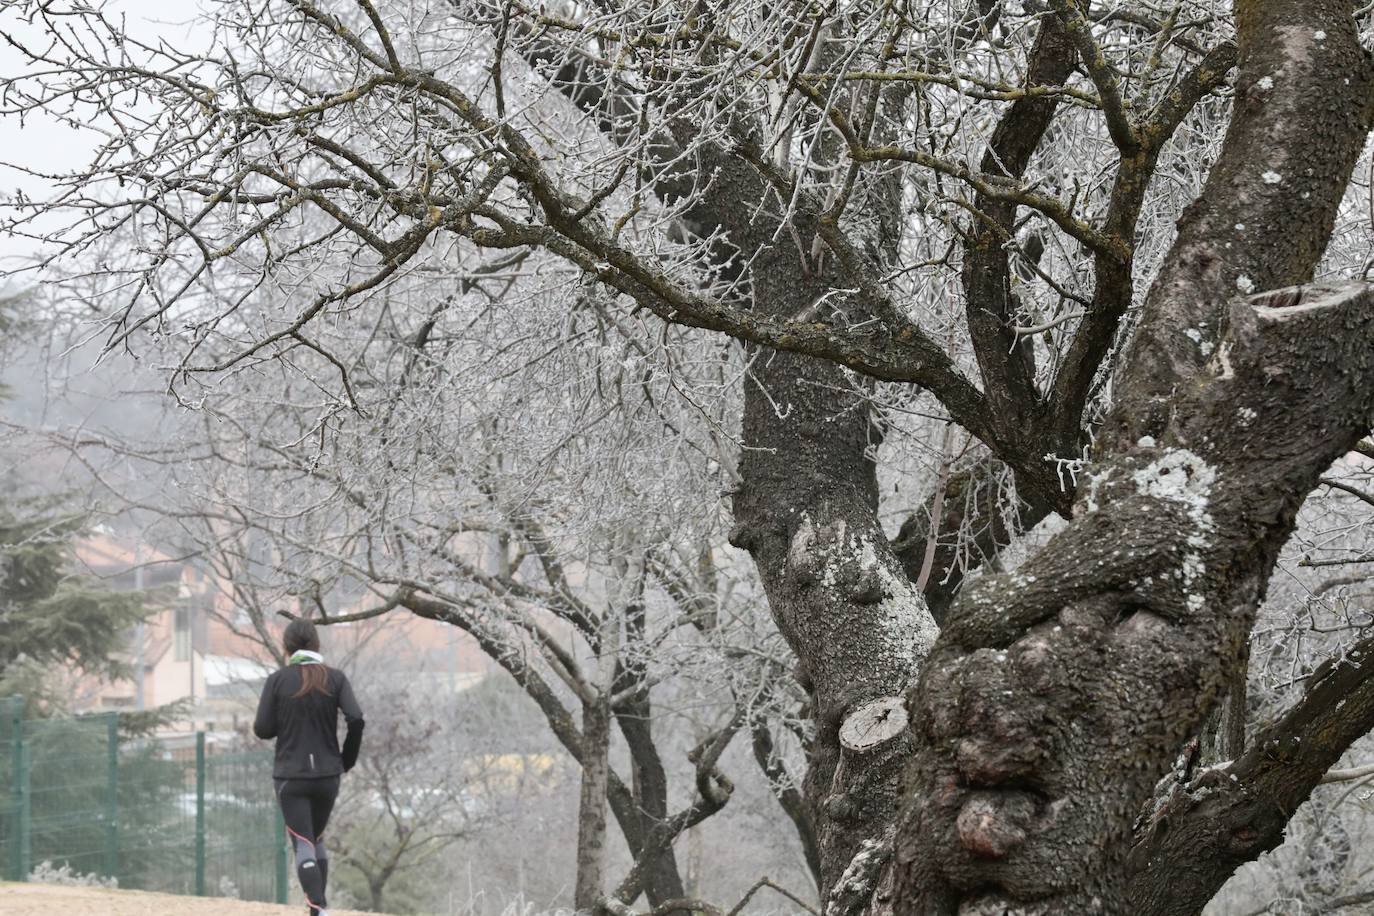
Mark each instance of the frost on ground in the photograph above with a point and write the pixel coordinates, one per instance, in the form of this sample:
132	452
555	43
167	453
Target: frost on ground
68	900
46	873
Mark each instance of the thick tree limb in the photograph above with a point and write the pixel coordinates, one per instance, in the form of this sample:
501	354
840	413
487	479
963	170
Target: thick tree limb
1114	290
1197	834
1119	124
1005	359
1303	108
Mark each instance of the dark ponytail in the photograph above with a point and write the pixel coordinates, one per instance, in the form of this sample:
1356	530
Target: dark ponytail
301	634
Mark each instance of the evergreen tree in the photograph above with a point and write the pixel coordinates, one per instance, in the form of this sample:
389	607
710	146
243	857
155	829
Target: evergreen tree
50	616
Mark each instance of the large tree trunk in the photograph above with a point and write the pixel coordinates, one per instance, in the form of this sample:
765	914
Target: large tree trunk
1058	696
807	513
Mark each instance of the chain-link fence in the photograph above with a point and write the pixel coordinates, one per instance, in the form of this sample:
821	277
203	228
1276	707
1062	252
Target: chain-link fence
156	814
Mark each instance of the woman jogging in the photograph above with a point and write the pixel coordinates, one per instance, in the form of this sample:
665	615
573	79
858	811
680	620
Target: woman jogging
300	707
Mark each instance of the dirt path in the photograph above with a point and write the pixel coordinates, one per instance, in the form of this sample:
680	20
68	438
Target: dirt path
51	900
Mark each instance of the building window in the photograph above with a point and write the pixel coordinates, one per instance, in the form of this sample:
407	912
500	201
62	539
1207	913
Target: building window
183	634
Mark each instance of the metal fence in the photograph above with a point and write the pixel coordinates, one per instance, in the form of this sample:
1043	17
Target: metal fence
155	814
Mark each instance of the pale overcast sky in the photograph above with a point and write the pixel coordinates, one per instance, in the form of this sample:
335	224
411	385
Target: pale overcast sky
53	147
48	386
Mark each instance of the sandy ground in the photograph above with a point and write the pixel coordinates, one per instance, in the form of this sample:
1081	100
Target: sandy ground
51	900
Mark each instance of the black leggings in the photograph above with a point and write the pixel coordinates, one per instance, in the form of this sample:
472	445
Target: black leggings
305	806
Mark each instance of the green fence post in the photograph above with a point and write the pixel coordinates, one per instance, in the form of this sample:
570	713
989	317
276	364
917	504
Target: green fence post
15	866
200	814
112	795
25	811
281	858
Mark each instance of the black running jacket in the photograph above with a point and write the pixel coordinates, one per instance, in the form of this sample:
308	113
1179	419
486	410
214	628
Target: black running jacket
307	727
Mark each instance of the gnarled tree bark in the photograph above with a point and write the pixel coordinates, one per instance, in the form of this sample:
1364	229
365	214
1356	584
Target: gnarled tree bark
1057	697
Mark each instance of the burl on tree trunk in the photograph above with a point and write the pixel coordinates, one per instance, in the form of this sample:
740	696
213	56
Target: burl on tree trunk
1057	696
